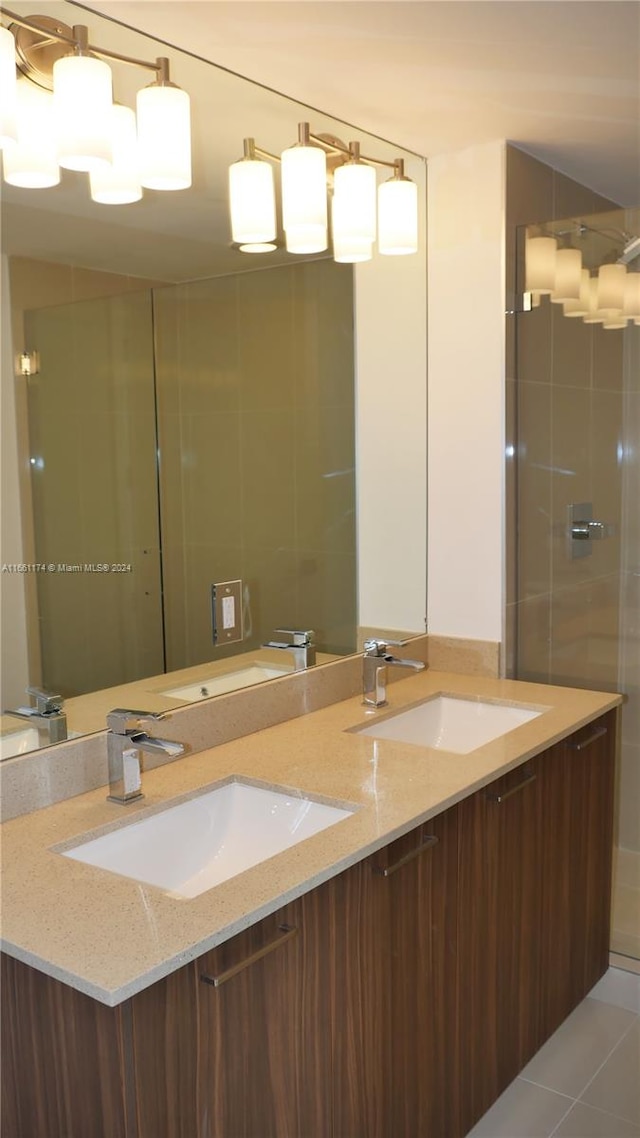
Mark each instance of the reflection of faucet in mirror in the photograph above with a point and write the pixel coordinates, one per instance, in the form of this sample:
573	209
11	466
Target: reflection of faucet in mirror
299	647
47	715
374	669
126	738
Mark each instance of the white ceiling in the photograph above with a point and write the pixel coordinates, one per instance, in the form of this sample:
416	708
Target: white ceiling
560	78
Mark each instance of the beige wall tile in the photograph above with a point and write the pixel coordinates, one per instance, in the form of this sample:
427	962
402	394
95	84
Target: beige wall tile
534	352
629	797
572	346
268	478
266	348
607	357
533	624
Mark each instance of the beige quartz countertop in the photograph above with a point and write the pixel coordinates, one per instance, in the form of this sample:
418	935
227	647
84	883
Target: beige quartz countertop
111	937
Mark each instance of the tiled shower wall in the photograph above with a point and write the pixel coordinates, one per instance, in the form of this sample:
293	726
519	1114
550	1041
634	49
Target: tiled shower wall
257	475
572	436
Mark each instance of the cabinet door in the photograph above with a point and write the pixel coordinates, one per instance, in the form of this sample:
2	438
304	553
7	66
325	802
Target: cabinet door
249	1033
292	1040
498	936
161	1033
577	777
63	1061
417	874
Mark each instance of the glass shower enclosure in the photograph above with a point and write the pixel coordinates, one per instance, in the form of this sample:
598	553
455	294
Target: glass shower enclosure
576	611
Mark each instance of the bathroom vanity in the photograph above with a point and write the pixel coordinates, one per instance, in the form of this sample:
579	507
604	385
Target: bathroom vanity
385	978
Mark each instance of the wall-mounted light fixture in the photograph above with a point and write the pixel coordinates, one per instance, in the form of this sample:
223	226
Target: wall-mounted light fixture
610	297
27	363
315	165
61	113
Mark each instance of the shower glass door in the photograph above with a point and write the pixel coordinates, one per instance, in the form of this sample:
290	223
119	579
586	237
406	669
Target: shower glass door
577	446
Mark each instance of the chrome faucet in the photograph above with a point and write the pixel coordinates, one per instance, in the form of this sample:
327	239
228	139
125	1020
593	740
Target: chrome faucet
126	738
47	715
374	669
300	646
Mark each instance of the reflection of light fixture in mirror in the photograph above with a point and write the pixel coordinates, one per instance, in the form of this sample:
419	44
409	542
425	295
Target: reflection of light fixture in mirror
347	248
631	306
164	133
306	168
27	363
398	214
33	162
304	195
119	183
59	58
8	96
258	247
568	276
252	201
580	307
611	280
540	265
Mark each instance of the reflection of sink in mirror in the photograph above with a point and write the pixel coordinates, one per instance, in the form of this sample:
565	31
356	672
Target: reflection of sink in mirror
27	739
228	681
197	844
451	724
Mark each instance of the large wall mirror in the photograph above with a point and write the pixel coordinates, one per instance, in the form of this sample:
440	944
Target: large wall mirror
191	419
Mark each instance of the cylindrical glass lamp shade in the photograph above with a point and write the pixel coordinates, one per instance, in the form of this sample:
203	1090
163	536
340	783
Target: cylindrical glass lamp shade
82	103
631	306
8	94
540	265
617	320
580	307
33	162
347	248
597	315
354	187
164	137
397	217
611	287
119	184
304	198
568	275
252	202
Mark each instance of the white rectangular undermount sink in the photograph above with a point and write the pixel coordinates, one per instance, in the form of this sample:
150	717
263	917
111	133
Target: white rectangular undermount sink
26	739
449	723
197	844
227	682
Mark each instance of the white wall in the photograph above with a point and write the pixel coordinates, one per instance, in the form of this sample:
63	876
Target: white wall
391	434
466	358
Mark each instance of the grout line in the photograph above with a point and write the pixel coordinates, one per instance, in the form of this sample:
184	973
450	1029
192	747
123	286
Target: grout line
630	1028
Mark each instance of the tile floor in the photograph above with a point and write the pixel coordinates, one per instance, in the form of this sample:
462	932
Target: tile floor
585	1081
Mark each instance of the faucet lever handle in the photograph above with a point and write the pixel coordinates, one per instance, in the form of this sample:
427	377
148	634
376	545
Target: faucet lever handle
299	637
127	721
375	646
46	702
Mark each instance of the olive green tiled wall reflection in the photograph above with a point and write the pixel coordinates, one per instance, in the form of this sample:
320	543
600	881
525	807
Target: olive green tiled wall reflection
255	380
94	491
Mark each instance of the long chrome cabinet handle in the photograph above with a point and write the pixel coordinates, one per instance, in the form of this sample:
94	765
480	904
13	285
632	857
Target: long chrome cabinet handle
514	790
288	932
584	743
387	870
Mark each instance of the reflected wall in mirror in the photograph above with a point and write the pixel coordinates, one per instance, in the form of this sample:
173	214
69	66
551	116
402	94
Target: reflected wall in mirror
192	421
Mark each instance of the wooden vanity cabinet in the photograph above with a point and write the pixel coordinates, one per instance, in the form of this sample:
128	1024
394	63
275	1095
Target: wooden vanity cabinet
397	999
498	977
534	893
577	790
416	879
